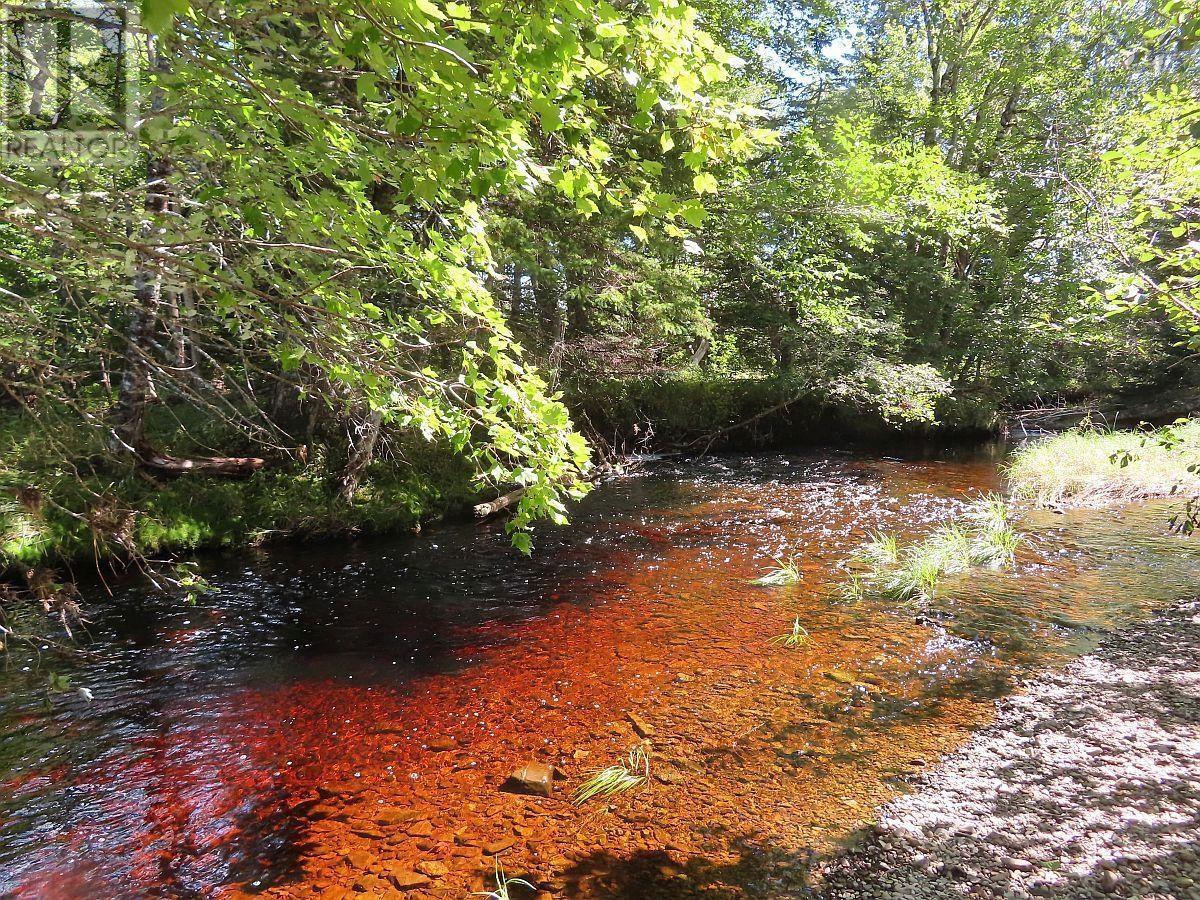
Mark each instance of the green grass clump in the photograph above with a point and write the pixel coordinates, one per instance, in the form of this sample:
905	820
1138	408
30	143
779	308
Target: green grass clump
853	590
632	772
981	536
1092	466
786	571
918	575
950	546
504	885
797	637
880	549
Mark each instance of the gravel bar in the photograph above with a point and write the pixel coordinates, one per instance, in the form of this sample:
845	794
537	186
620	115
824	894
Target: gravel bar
1086	785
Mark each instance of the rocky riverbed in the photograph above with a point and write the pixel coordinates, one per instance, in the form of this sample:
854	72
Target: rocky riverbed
1084	786
347	724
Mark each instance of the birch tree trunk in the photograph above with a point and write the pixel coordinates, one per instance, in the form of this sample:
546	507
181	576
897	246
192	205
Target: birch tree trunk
129	414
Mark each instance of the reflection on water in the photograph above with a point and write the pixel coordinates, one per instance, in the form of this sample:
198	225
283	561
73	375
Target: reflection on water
265	738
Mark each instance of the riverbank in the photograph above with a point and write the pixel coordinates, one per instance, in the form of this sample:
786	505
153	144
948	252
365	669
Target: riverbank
64	499
741	412
1085	786
1098	466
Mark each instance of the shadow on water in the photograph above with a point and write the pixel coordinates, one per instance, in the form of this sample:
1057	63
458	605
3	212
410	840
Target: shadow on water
221	731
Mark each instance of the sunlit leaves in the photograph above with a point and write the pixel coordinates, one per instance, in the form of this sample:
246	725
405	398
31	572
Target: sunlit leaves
693	213
159	15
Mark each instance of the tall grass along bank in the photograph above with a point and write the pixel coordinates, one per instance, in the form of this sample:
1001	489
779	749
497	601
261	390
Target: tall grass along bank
1090	466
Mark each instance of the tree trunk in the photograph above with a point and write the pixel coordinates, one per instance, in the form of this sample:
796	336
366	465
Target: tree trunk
361	454
128	417
514	309
1008	118
129	414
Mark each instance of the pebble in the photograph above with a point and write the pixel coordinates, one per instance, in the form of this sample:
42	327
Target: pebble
535	778
1017	864
499	846
433	868
405	879
643	728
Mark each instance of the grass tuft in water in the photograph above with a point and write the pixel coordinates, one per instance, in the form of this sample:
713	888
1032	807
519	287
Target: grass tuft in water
633	772
852	590
504	885
996	549
949	547
917	577
880	549
797	637
989	512
786	571
981	536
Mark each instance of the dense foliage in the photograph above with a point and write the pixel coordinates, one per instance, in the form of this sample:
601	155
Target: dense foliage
400	242
304	239
963	203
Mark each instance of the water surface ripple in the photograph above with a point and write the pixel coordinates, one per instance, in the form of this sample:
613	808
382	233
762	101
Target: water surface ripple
338	717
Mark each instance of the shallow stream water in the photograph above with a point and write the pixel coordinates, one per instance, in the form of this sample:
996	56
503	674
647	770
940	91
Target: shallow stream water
338	719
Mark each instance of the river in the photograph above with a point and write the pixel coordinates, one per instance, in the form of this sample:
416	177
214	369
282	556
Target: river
339	718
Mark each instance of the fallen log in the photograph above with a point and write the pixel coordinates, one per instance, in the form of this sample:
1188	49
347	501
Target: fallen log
224	466
505	501
501	503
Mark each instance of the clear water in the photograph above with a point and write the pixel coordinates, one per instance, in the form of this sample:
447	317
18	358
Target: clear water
253	742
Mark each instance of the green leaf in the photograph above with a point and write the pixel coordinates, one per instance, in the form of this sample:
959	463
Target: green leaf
693	213
548	114
159	15
705	183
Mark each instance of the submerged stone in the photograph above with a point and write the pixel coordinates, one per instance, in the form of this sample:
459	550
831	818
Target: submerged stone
396	815
433	868
345	791
406	879
643	728
499	846
420	828
534	778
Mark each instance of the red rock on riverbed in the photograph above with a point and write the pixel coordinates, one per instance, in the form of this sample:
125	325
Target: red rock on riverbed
534	778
